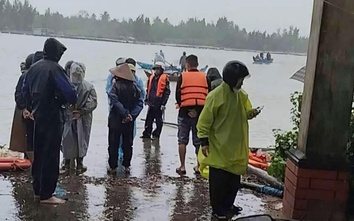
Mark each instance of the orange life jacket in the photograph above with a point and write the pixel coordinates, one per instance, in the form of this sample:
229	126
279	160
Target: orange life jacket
161	85
194	89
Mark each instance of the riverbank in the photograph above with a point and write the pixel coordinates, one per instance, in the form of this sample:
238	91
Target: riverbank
128	41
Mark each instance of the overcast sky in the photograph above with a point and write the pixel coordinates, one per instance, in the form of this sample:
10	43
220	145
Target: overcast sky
268	15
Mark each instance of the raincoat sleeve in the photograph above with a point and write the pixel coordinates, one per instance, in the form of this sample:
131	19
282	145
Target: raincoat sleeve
249	108
91	103
178	91
206	120
65	89
116	103
109	83
166	93
20	100
142	89
209	84
147	90
26	93
138	108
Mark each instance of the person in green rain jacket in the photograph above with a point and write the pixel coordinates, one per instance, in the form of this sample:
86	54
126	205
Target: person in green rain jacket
223	131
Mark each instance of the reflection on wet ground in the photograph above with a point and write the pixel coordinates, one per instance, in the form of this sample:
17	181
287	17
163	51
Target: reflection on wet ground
118	198
153	191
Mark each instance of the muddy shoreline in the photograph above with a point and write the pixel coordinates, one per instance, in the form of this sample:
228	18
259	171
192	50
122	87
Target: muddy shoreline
156	197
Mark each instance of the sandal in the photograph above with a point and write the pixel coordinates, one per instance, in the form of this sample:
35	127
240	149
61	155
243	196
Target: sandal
180	172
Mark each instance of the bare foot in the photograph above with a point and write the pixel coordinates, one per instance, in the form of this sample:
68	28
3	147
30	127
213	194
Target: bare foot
53	200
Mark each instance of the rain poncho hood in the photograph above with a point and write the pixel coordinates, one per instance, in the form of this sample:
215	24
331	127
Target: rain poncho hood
37	56
67	68
214	77
28	61
77	73
224	121
53	50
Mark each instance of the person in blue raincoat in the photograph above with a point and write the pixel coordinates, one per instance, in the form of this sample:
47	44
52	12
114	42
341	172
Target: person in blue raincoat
138	82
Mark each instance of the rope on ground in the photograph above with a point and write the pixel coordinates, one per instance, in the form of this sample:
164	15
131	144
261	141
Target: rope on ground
165	123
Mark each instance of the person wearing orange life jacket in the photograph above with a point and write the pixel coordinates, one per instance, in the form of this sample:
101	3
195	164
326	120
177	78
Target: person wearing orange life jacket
158	92
192	89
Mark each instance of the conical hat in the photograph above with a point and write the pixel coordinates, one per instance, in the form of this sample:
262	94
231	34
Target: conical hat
123	71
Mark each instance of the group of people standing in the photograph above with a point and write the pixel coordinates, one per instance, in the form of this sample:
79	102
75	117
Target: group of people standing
57	106
44	94
216	110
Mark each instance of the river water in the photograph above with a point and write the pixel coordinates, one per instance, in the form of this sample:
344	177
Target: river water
269	85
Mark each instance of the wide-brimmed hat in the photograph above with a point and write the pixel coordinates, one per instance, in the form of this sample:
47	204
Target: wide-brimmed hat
123	71
159	65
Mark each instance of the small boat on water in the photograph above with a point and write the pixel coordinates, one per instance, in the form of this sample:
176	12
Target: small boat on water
169	68
262	61
173	75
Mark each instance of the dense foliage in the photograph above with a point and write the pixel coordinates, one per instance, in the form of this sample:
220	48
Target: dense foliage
21	16
284	140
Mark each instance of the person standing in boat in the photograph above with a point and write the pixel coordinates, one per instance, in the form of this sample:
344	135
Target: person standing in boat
215	78
182	61
126	105
77	129
138	82
159	58
224	134
192	89
158	92
162	54
46	90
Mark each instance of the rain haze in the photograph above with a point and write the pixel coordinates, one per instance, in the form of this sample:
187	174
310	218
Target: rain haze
250	14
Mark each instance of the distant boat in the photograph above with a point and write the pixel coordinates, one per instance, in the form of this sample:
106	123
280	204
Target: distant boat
169	68
173	76
262	61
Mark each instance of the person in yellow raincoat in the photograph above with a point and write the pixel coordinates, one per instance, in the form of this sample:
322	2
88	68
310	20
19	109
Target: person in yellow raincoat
223	131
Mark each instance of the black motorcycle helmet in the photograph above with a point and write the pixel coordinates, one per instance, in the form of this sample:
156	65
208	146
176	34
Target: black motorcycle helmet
233	72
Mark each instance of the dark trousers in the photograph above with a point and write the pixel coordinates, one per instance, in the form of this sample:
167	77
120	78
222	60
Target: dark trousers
126	131
45	167
223	188
153	114
29	134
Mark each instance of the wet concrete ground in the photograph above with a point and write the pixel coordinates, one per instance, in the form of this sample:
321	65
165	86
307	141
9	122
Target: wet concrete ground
152	192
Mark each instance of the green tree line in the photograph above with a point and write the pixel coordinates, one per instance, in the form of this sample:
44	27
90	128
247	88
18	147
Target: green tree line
22	16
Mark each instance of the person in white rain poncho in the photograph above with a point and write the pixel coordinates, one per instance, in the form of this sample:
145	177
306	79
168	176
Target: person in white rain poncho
77	129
